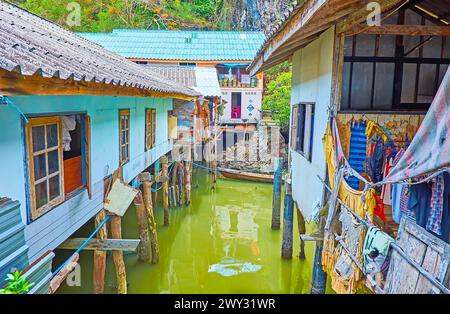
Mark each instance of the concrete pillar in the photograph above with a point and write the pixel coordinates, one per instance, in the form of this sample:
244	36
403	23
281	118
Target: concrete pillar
288	220
277	183
319	277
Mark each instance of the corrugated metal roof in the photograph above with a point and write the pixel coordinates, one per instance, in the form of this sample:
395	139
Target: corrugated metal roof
180	45
32	45
13	249
202	79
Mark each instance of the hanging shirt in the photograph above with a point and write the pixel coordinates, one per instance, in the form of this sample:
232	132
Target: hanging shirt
420	201
437	202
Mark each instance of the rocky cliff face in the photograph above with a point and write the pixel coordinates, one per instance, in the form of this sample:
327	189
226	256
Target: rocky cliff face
256	14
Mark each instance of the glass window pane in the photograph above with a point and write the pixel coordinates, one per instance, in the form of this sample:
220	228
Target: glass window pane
38	138
41	194
39	167
52	135
54	187
123	137
361	85
53	162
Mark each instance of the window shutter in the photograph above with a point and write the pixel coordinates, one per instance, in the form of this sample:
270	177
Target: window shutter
294	127
153	128
307	135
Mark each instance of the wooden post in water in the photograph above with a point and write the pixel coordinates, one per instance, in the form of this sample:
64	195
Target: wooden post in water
156	175
147	187
319	277
180	177
165	187
187	181
277	183
288	220
144	249
100	256
175	183
116	233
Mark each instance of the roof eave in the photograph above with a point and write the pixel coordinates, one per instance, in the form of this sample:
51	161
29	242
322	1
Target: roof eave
305	24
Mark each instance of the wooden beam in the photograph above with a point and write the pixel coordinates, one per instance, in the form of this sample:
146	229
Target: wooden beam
358	16
307	237
403	30
12	83
63	273
129	245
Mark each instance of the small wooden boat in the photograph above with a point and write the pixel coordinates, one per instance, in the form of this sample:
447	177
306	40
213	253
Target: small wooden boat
247	176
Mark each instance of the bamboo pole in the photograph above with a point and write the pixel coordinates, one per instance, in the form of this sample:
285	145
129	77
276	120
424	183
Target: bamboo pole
100	256
144	249
116	233
165	186
147	187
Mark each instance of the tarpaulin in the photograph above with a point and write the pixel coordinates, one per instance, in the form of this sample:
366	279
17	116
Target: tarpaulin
429	151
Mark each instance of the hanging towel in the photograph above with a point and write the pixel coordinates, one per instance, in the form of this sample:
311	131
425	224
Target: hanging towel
357	153
376	250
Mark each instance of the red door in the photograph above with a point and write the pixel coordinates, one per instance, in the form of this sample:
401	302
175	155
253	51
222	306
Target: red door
236	105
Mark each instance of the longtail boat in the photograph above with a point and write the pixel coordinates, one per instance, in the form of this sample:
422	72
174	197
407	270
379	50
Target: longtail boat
248	176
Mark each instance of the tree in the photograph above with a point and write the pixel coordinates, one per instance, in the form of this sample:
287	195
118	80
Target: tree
277	98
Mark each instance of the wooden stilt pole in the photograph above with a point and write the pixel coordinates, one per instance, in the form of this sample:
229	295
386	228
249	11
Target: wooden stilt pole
116	233
180	177
288	219
155	194
187	181
319	277
165	187
144	249
277	183
147	187
301	223
175	183
100	256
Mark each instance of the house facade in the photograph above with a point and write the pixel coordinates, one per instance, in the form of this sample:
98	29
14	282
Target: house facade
228	52
356	87
71	114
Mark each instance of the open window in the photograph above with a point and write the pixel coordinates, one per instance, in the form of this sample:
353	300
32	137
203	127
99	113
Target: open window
58	160
302	129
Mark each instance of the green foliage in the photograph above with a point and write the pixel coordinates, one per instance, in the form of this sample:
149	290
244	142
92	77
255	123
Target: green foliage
277	98
105	15
16	284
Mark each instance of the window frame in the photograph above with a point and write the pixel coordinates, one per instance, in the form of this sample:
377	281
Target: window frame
150	128
124	112
35	212
302	124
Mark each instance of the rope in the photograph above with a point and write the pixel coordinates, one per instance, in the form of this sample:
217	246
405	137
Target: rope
81	246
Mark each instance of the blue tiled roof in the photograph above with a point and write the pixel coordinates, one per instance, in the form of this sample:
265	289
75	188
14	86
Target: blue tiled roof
180	45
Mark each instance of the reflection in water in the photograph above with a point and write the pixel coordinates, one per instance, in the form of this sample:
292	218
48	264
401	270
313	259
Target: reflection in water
222	243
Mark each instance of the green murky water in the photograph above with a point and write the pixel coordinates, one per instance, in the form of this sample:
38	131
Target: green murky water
222	243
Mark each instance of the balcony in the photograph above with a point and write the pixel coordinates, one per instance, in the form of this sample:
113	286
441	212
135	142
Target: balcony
245	81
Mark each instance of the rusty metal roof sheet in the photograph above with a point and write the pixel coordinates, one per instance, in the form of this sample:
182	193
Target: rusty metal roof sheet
32	45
